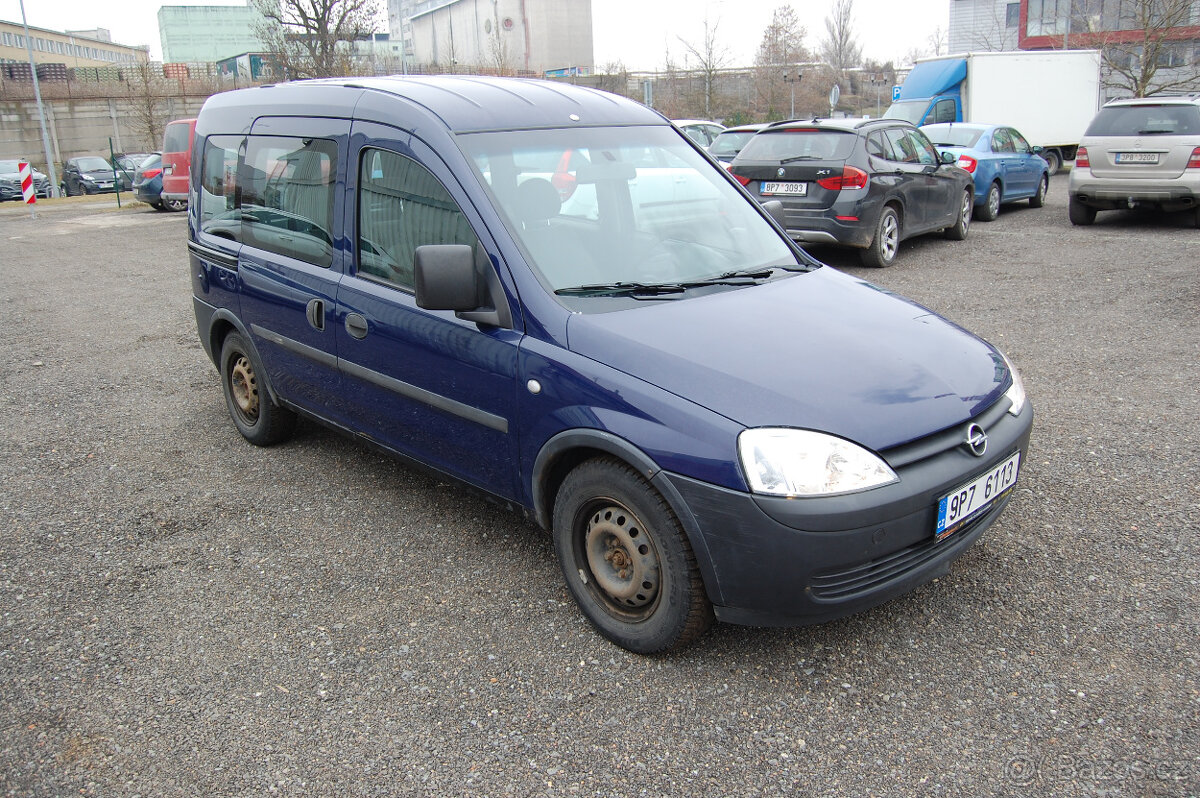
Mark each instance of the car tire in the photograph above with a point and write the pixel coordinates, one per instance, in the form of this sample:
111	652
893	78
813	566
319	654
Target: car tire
626	559
962	225
1079	213
1039	198
886	242
1053	161
260	421
990	209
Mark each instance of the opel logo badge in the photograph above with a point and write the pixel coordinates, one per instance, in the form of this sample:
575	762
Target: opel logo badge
780	172
976	440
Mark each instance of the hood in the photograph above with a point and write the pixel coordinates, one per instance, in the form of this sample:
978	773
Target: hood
821	351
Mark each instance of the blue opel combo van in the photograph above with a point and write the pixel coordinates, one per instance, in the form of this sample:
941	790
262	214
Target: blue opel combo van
551	294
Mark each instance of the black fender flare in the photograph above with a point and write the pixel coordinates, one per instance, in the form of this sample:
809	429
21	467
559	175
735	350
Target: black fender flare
603	441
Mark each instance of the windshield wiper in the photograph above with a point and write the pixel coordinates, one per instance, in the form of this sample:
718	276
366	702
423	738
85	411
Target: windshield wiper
634	289
795	158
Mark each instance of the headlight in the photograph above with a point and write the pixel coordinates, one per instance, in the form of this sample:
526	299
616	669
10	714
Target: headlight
88	178
1015	392
795	462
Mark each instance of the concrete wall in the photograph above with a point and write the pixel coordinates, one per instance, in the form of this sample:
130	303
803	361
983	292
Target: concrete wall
82	127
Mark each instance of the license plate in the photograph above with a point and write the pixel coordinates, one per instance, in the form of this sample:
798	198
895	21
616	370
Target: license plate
1137	157
971	499
795	189
104	185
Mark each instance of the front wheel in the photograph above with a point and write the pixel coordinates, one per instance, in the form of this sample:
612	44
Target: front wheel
886	243
1039	199
963	223
1079	213
260	421
626	559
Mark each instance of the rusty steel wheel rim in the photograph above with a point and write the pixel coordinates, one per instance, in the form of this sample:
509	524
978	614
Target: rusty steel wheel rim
622	558
244	388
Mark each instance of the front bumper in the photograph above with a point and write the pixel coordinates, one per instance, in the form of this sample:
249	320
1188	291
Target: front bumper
787	562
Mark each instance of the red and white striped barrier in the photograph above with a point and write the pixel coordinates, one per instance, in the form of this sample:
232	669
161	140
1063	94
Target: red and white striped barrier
27	183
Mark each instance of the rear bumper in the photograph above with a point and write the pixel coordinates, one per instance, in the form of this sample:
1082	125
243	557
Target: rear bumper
788	562
1103	195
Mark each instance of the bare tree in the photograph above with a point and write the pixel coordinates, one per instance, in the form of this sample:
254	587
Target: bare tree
148	91
497	45
314	38
776	63
840	48
710	56
1139	44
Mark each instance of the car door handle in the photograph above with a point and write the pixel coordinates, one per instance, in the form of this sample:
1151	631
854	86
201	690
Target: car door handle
315	313
356	325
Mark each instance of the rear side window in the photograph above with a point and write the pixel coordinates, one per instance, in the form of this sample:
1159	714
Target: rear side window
287	196
801	144
177	137
402	206
1146	120
218	182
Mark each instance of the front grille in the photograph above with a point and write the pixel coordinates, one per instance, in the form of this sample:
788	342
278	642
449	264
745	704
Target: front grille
867	576
934	445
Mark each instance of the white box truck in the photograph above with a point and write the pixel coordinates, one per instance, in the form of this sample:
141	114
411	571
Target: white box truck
1050	96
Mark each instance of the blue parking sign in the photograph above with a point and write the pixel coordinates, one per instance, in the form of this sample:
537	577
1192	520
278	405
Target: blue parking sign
895	93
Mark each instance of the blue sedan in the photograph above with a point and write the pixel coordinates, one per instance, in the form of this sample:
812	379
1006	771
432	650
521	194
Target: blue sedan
1006	168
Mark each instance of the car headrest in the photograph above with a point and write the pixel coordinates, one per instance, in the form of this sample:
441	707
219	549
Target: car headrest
537	200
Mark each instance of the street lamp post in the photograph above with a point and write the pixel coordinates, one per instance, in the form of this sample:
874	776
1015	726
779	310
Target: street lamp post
792	77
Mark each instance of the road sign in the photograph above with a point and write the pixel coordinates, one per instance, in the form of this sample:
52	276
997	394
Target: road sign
895	93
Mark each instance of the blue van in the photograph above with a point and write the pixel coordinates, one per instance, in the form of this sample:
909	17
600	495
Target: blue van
551	294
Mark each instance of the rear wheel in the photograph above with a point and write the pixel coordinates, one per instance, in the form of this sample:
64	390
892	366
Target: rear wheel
1039	199
886	243
1053	161
626	559
259	420
963	224
990	209
1079	213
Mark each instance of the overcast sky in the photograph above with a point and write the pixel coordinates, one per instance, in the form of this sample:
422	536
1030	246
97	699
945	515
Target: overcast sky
638	33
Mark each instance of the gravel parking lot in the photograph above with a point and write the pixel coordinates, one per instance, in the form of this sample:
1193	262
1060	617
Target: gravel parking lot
184	614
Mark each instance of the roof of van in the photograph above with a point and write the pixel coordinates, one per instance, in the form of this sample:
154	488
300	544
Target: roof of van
464	103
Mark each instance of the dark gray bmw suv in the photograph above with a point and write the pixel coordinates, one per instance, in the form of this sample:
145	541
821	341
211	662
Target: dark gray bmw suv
859	183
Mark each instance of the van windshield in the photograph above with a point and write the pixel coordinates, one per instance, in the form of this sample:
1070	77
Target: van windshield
622	206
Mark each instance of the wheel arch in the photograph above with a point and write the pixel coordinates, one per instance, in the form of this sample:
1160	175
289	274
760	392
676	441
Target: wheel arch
222	324
566	450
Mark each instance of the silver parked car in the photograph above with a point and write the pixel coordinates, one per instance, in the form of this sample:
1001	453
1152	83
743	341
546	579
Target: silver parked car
1140	152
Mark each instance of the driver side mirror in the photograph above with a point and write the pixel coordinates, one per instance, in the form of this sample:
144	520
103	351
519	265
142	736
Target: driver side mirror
948	157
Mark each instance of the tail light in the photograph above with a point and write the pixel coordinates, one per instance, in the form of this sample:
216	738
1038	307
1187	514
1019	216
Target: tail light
1082	161
745	181
151	173
851	177
1194	161
968	163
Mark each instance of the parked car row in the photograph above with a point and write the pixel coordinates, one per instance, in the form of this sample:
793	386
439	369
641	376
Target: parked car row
10	182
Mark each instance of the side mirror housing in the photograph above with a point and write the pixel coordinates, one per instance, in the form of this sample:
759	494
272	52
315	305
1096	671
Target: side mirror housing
774	209
948	157
447	278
